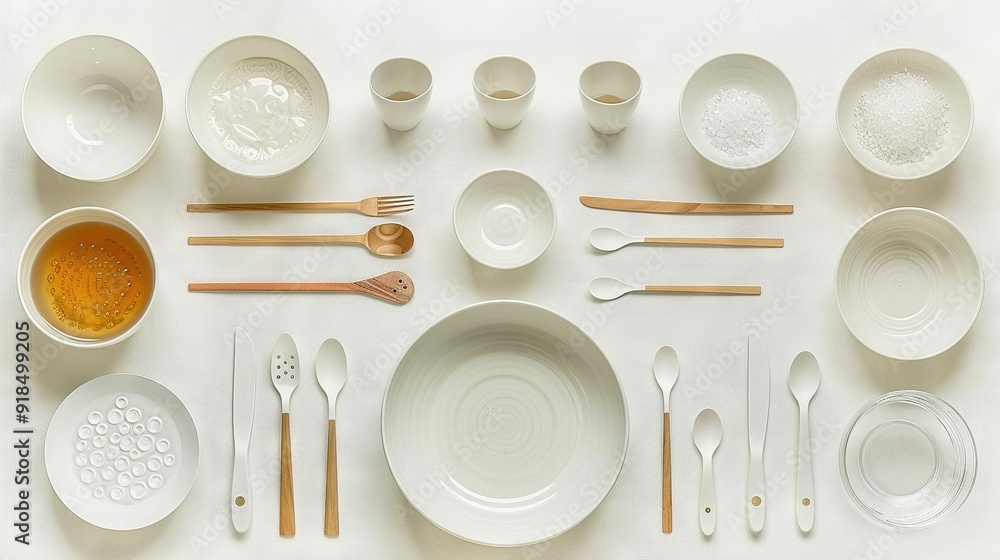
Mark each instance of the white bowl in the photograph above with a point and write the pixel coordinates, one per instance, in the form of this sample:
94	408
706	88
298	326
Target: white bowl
504	219
93	109
744	72
909	284
257	106
36	243
158	453
941	75
504	424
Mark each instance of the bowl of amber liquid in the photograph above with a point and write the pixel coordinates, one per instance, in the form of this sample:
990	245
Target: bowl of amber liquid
86	277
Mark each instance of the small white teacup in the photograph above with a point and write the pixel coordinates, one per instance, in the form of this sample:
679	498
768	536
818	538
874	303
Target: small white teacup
609	91
401	89
504	86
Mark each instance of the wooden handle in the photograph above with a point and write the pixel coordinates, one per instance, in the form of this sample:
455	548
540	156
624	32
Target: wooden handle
331	523
286	511
271	287
668	503
276	207
670	207
726	290
275	239
717	241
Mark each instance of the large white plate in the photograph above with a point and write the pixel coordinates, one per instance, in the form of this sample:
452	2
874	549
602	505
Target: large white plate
504	424
158	475
909	284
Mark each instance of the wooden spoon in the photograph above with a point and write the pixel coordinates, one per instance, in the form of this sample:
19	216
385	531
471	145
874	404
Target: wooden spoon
394	287
390	240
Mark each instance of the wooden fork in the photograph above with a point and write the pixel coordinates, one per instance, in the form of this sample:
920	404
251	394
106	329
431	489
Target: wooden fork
371	206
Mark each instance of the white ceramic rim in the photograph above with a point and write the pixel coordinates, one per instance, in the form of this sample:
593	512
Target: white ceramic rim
427	91
724	165
961	80
961	234
152	145
183	409
238	168
579	84
548	197
534	77
24	280
587	339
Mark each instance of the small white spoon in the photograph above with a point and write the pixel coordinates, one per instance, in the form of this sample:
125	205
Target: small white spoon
609	288
803	380
610	239
707	436
666	368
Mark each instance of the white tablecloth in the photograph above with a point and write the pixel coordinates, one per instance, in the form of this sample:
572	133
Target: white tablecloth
186	343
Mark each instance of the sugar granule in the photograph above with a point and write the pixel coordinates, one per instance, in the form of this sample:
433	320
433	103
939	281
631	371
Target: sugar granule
736	121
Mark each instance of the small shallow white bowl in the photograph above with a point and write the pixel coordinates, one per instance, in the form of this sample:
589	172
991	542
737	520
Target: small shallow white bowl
72	448
748	72
941	75
504	424
92	108
504	219
36	242
263	117
909	284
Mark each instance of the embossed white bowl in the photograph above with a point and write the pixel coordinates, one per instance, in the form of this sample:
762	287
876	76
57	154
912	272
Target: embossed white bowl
257	106
93	109
504	219
504	424
909	284
116	477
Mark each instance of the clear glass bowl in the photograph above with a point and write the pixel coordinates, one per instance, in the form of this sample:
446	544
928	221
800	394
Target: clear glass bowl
908	459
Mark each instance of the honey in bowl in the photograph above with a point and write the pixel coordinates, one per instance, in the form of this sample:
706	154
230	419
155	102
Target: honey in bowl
92	280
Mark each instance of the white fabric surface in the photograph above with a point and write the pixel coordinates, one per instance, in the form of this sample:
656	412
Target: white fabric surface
186	343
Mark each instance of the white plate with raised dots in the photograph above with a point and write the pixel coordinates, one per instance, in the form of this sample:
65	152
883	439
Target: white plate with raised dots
121	452
504	424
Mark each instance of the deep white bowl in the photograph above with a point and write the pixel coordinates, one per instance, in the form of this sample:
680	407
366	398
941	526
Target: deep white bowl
257	106
909	284
941	75
746	72
504	424
93	109
504	219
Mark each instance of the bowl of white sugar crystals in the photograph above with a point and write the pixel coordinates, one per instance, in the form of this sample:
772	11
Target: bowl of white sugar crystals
905	114
739	111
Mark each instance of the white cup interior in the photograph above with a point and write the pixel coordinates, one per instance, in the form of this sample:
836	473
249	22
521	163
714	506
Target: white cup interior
34	245
401	74
610	77
504	73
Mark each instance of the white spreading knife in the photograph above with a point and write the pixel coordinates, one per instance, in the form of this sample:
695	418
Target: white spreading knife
244	389
758	395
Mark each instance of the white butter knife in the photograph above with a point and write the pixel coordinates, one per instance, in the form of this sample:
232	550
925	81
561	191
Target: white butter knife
244	390
758	395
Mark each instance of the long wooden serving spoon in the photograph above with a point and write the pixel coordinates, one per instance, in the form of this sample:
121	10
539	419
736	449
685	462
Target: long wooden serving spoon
387	240
395	287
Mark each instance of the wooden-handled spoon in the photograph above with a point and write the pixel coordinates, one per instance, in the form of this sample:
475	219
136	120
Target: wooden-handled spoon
387	240
331	372
394	287
666	367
